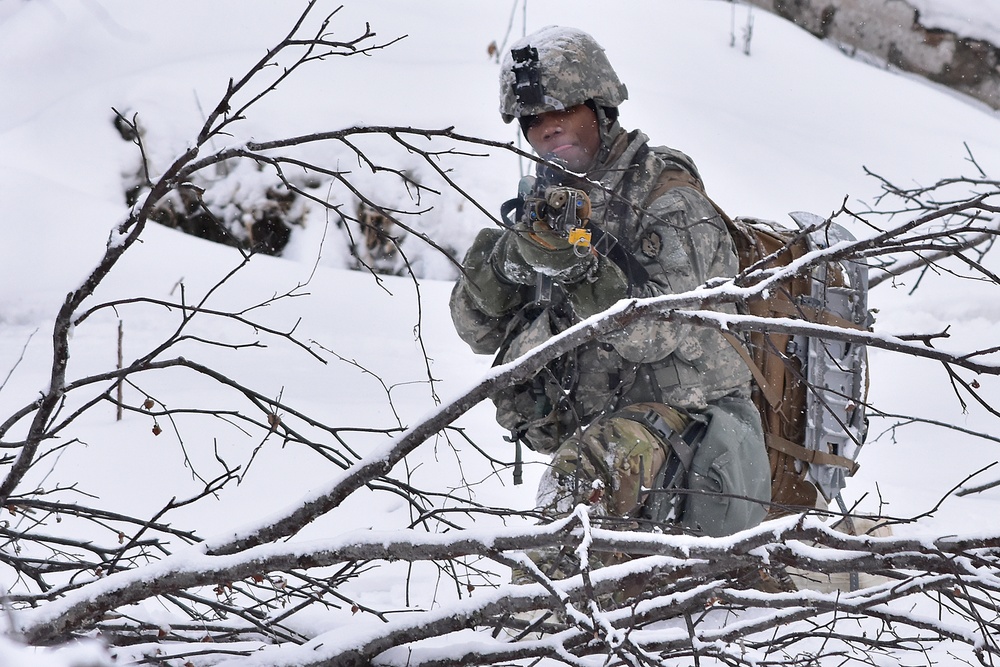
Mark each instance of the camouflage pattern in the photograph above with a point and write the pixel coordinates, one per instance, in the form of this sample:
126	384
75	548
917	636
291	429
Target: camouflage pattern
569	409
573	69
681	242
608	467
613	465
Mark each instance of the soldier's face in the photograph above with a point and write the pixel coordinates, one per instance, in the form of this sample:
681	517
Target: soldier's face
571	136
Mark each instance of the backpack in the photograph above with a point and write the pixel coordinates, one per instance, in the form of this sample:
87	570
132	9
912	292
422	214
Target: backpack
811	393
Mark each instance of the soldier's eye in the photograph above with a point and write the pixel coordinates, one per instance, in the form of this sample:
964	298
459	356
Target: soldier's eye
528	122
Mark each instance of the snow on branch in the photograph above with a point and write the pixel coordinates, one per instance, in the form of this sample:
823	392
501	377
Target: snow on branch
296	602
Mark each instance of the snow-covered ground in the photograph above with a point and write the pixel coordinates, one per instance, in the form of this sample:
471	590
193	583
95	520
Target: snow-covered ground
790	127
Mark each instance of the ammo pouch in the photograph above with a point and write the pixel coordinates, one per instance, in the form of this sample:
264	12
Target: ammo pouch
717	478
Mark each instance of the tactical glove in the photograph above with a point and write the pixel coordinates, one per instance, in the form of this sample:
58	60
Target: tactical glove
602	289
490	291
528	251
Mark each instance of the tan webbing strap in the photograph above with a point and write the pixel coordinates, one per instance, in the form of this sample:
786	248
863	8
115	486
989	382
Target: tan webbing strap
674	178
809	455
677	178
771	393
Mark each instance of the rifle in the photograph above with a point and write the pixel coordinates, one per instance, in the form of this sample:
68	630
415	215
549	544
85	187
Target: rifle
550	197
547	202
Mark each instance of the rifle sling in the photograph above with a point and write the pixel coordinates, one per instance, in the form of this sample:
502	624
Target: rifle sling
608	246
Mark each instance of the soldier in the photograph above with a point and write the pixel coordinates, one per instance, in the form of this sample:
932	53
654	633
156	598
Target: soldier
653	425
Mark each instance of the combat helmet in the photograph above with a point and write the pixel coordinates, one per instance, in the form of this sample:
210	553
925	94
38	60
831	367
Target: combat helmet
557	68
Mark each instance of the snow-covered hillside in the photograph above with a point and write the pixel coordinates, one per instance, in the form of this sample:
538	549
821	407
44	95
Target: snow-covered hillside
976	19
791	127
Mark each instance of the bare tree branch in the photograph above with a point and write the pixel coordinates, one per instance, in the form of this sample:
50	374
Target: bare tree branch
695	598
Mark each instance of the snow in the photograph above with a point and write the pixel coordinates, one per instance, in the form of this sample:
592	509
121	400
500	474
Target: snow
975	19
789	127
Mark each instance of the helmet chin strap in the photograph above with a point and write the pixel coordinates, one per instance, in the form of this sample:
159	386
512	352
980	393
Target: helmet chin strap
607	129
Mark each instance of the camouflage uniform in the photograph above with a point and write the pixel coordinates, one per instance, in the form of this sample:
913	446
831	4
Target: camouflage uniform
605	409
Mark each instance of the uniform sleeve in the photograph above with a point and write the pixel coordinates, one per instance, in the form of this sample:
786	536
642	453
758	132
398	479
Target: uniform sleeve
482	302
682	242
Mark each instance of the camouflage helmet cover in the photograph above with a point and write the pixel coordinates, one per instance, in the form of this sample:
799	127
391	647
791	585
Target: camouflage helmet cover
553	69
